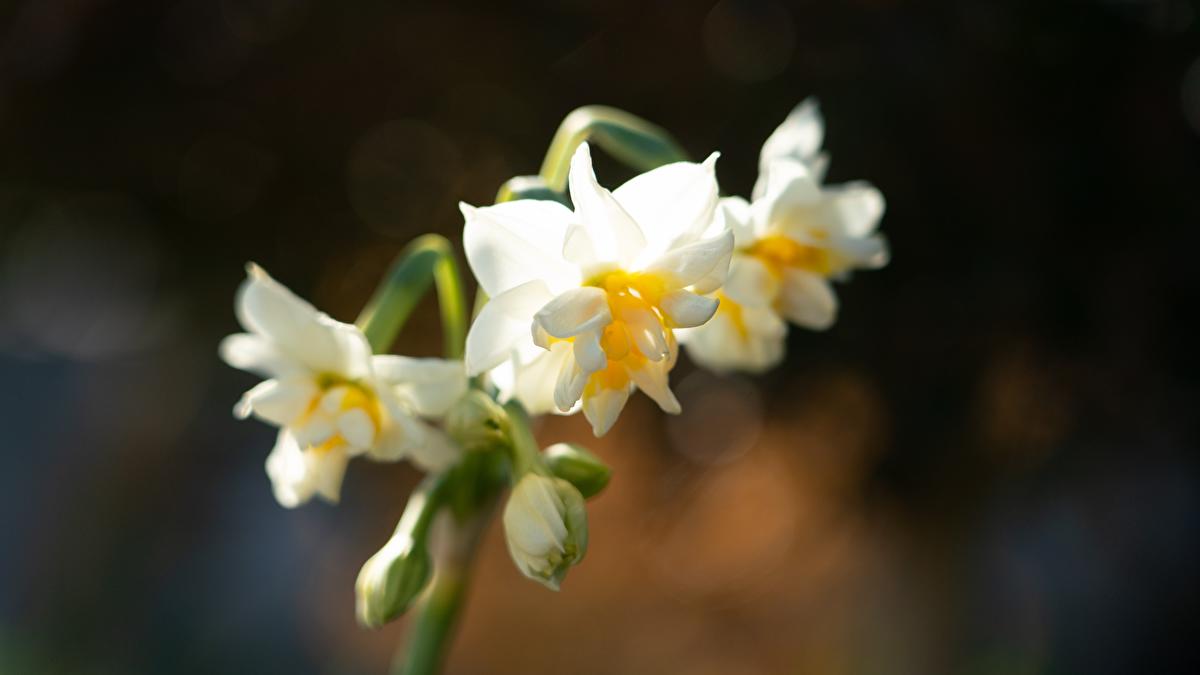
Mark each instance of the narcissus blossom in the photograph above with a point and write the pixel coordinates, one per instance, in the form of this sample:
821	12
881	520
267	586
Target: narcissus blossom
796	237
584	303
330	396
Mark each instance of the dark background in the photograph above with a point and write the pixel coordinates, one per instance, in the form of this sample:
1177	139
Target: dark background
986	466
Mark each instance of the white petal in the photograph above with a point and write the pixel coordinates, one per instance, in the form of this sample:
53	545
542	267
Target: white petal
673	203
579	249
603	407
617	237
569	382
652	379
297	329
686	309
401	432
799	138
436	452
327	470
588	353
703	265
790	187
356	427
807	300
430	386
288	472
502	324
515	242
297	475
257	354
735	214
317	428
534	382
647	332
853	209
576	311
754	343
750	283
280	402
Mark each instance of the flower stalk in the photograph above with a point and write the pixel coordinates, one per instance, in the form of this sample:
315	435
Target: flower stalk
629	138
428	259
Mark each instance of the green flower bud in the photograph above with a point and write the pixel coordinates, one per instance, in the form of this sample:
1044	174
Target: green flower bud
545	523
477	422
574	464
392	579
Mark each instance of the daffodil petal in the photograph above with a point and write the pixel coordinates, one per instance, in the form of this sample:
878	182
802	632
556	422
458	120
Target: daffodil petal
588	353
502	324
569	383
279	402
430	386
677	202
603	407
798	138
436	452
265	307
516	242
807	300
257	354
703	264
356	427
652	379
573	312
686	309
615	234
750	283
736	215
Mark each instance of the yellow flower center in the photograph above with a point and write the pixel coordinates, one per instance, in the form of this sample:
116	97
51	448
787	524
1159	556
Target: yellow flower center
632	297
779	253
733	311
350	394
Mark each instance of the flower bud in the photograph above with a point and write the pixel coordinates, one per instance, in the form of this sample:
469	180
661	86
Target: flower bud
477	422
545	522
574	464
391	579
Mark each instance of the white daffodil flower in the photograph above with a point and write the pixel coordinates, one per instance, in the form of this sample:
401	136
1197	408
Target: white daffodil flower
794	238
545	525
331	397
584	303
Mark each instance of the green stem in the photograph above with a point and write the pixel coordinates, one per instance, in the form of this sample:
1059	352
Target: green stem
427	259
436	619
627	137
478	480
525	455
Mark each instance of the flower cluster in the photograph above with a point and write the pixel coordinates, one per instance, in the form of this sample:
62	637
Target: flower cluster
586	296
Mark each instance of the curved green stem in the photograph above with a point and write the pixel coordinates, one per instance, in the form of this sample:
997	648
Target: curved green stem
525	455
627	137
471	492
429	258
430	636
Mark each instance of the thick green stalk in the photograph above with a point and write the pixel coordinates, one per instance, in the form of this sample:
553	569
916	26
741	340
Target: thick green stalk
427	259
436	619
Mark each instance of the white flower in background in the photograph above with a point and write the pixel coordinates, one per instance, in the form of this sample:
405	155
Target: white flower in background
584	303
794	238
545	525
331	397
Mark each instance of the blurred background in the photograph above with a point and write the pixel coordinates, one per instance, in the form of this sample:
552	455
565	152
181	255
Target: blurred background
986	466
